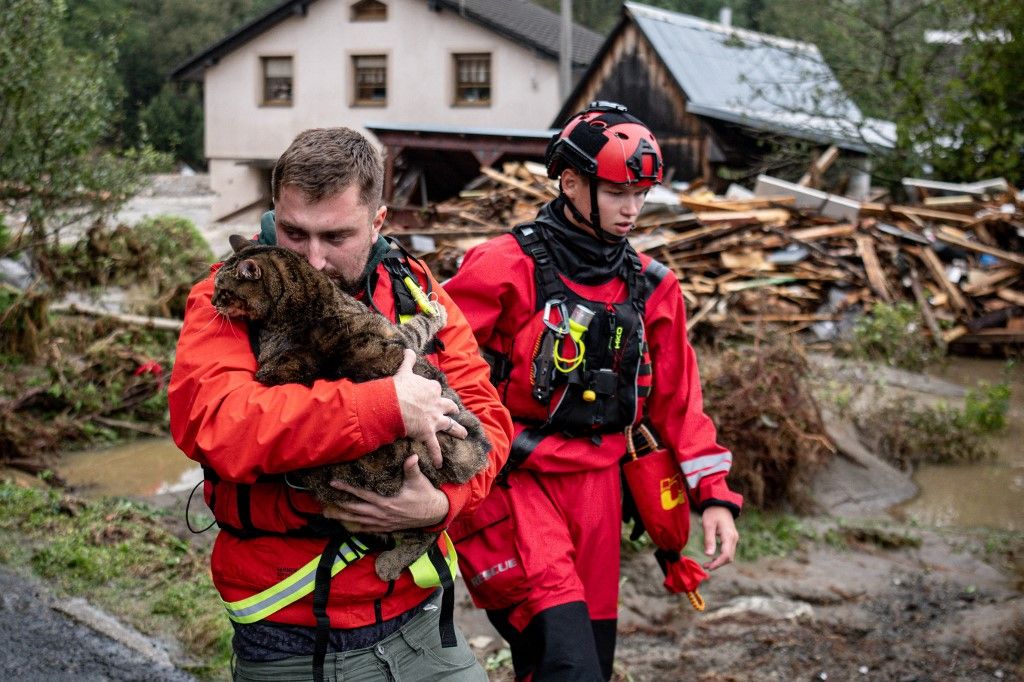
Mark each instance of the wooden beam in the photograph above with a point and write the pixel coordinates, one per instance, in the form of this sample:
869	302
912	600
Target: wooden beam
934	265
926	310
950	238
876	277
912	212
513	182
812	178
1011	295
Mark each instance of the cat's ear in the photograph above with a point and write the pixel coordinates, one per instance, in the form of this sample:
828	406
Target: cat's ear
238	242
247	269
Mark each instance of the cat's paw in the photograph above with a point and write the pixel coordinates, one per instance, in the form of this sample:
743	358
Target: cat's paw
440	316
390	564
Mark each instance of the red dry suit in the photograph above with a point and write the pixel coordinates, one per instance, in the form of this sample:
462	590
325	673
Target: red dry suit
245	434
551	536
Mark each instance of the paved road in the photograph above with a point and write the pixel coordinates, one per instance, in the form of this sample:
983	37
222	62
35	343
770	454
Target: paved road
40	641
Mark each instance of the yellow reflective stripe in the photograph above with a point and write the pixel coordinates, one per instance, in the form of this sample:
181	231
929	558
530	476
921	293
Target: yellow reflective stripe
291	589
402	319
423	573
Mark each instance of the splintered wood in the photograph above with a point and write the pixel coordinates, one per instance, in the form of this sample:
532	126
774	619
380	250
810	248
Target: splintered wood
743	264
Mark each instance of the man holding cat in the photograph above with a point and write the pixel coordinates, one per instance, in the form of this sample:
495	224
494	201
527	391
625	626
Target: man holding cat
327	195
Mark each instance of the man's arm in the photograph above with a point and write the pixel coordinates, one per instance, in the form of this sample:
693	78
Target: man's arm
676	409
419	504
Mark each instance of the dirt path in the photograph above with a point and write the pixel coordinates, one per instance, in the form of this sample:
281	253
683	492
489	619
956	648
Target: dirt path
935	612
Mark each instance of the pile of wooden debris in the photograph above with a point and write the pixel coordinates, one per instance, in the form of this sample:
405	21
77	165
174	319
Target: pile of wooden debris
795	257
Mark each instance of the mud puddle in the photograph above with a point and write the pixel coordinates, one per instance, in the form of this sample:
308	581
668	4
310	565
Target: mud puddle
144	468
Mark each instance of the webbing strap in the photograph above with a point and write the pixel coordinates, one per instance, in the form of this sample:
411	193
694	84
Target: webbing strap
294	587
447	623
321	592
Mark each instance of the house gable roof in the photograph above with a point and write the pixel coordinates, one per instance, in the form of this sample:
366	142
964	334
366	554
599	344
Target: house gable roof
756	80
518	20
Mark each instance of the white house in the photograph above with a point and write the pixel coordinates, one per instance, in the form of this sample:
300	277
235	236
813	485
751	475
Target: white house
486	64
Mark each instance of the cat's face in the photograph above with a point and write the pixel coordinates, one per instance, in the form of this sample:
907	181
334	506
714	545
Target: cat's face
241	287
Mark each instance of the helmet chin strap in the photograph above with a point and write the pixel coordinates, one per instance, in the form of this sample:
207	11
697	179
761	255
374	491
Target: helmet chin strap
595	217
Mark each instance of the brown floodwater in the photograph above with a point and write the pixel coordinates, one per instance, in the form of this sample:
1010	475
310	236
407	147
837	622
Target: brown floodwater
142	468
984	494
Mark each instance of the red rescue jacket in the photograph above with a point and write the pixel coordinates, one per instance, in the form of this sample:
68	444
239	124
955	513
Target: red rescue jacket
504	316
242	431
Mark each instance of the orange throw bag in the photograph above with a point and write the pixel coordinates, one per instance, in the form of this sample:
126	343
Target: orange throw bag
658	489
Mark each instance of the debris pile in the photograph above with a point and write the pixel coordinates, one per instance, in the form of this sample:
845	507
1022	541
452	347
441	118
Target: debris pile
793	257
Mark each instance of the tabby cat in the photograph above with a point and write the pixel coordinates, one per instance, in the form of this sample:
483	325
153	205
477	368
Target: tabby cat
304	327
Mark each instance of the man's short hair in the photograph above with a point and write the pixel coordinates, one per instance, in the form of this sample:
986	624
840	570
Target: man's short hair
322	162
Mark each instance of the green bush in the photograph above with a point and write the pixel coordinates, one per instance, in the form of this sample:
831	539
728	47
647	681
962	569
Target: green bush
894	334
985	408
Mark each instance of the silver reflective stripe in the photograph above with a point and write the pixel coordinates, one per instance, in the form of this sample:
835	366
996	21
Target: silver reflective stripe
279	596
696	469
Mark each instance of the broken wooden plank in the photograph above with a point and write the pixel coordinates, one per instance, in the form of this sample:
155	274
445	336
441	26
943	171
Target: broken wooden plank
773	217
913	212
518	184
981	283
950	237
812	178
811	234
926	310
873	269
934	265
701	203
1011	295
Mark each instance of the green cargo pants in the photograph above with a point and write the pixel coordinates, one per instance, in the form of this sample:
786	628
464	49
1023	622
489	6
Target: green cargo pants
413	653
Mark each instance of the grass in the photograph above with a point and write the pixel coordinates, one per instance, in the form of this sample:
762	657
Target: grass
121	556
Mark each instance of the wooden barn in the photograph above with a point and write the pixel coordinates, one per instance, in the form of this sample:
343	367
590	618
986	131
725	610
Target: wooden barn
714	94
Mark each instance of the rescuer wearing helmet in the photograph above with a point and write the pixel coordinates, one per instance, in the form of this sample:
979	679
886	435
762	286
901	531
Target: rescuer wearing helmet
585	338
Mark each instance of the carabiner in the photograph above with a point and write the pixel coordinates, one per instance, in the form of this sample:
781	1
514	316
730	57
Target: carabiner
562	328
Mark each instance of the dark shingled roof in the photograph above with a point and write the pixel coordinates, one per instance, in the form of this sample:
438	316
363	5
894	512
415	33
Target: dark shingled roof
519	20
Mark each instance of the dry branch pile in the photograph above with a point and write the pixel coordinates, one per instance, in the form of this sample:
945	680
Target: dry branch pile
793	257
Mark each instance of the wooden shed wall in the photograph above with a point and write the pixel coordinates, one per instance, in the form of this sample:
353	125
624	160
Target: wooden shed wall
630	72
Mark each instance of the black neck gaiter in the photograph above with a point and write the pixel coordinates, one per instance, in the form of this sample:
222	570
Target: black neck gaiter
578	255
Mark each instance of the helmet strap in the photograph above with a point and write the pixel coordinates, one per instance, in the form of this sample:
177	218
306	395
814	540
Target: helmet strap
594	223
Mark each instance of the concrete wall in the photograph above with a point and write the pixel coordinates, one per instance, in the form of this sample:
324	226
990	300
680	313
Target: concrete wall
419	45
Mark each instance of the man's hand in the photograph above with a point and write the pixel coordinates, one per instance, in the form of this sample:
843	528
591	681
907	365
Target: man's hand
719	526
424	410
417	504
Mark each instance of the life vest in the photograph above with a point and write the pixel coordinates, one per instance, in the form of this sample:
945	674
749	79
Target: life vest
271	507
561	375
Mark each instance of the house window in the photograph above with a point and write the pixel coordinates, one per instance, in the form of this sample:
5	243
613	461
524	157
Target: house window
370	75
277	81
473	79
369	10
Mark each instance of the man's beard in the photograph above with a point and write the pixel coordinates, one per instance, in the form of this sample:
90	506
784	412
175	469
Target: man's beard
354	286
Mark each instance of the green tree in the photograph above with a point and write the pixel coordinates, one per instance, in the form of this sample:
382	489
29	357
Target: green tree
55	109
957	107
150	38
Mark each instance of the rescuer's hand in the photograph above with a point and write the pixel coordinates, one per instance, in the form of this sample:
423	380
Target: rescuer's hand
418	504
424	410
719	527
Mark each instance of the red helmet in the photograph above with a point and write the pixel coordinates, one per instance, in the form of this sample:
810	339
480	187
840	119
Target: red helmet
605	142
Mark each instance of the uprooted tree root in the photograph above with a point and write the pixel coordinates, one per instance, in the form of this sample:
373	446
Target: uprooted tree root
760	400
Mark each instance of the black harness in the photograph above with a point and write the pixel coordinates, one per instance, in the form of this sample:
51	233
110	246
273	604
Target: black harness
601	394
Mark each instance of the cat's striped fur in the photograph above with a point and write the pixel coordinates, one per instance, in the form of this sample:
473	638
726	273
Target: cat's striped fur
306	328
